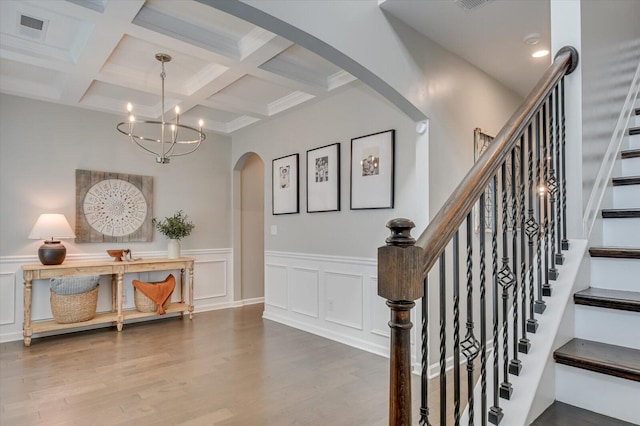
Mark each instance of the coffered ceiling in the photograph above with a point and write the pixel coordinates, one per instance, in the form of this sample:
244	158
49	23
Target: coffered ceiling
100	54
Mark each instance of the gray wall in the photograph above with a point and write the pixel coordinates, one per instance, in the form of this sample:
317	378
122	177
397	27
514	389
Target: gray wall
357	111
41	146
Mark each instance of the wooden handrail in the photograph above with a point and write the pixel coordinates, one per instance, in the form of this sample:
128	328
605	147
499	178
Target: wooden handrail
435	238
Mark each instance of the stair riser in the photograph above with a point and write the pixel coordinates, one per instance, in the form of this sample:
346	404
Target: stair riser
634	142
621	232
611	326
615	274
611	396
631	167
626	196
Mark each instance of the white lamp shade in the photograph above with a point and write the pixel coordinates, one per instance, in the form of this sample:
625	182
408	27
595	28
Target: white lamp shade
51	225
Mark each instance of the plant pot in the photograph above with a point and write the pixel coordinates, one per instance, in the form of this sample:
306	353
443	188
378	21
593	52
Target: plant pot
174	249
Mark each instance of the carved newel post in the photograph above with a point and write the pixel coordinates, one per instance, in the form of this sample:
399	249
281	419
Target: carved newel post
400	282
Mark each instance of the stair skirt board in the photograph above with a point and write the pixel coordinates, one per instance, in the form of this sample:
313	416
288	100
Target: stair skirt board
624	232
611	396
542	345
615	274
621	328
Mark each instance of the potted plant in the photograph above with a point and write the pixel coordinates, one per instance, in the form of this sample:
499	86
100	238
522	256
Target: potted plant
174	228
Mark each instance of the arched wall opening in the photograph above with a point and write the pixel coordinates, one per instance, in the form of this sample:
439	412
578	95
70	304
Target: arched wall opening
248	229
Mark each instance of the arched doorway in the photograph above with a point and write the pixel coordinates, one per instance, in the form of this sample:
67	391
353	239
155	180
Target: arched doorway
248	229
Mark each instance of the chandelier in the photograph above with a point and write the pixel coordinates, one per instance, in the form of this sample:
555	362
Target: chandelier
161	138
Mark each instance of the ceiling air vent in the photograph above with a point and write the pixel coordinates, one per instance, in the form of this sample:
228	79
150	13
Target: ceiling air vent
470	4
34	28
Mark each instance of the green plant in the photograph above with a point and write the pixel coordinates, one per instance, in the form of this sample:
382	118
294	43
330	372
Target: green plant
175	227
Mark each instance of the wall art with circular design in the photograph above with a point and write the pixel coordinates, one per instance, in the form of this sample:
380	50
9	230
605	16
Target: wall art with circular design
113	207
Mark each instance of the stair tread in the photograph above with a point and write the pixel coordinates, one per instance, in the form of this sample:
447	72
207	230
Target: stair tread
561	414
620	213
615	252
610	299
630	153
602	358
637	111
634	131
626	180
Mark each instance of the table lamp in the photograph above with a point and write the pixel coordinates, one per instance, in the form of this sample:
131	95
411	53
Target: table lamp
54	226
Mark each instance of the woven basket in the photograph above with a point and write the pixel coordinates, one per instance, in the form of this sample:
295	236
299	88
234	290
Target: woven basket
144	304
74	307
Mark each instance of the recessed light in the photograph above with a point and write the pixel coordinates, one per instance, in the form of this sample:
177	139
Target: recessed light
531	39
540	53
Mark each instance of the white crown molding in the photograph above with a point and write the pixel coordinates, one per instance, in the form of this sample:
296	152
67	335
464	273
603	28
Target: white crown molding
288	101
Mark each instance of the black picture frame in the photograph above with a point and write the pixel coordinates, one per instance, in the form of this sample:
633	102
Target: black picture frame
323	179
373	171
285	186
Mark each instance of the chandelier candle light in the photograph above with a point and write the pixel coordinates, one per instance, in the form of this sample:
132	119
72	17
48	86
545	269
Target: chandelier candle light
168	144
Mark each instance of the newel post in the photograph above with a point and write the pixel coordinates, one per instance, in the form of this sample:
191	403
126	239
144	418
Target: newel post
400	282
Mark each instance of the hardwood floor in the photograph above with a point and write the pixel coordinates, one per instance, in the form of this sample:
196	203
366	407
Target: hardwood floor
224	368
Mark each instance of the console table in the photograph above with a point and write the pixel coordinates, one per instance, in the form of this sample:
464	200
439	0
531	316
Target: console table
117	270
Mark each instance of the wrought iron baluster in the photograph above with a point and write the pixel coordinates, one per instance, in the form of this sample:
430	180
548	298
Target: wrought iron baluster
565	241
552	186
470	345
456	330
483	314
544	199
559	257
523	343
443	341
532	232
539	304
505	280
424	377
515	366
495	412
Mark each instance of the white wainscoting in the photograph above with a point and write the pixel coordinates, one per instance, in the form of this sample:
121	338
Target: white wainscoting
331	296
213	286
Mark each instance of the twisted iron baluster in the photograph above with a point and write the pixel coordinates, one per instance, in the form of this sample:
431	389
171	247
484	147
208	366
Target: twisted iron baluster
523	343
565	241
552	187
539	304
424	377
514	365
506	280
470	345
545	194
483	314
495	412
532	231
559	257
456	330
443	341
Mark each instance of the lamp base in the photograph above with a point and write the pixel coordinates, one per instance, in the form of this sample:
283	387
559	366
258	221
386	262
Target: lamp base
52	253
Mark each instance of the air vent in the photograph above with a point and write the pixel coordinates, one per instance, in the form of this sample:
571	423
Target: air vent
470	4
32	27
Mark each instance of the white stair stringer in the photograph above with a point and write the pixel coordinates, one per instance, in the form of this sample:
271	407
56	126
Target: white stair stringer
543	343
607	395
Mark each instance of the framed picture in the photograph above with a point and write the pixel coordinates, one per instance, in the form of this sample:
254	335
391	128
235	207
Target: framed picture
372	171
113	207
481	141
285	193
323	179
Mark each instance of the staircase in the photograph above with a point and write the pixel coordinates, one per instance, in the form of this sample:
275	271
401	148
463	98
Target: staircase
599	370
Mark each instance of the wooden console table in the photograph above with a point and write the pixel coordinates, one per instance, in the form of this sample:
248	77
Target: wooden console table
117	271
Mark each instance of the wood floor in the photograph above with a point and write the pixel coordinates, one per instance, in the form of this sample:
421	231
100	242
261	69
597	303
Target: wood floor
224	368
